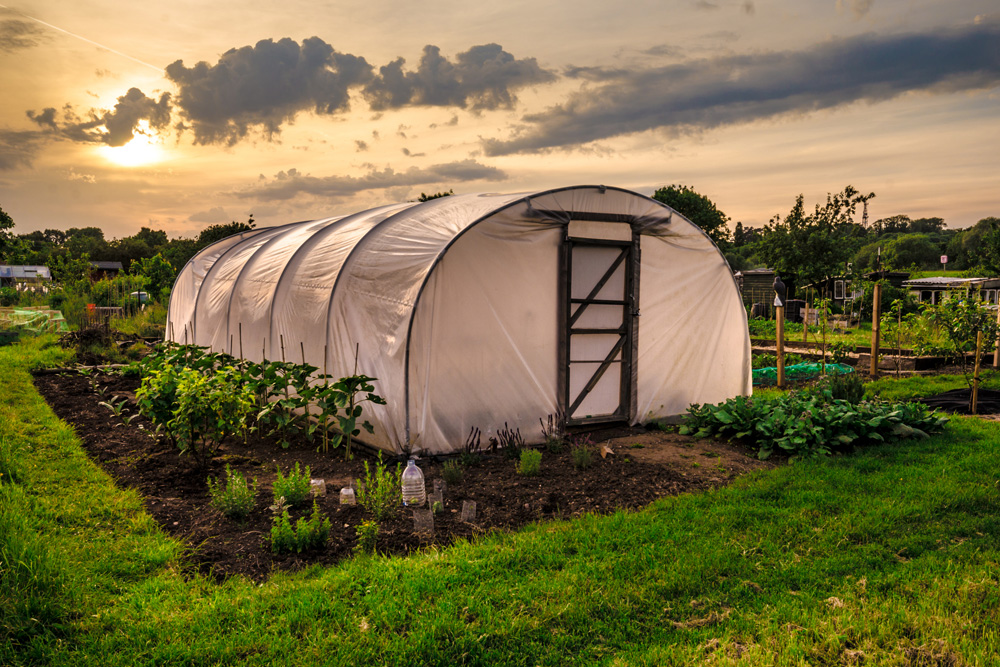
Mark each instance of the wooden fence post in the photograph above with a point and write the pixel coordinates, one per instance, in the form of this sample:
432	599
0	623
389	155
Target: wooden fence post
876	316
779	339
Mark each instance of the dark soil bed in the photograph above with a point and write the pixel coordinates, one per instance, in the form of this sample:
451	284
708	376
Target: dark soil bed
957	401
645	465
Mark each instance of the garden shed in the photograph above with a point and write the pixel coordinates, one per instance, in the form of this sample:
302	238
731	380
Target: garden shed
590	302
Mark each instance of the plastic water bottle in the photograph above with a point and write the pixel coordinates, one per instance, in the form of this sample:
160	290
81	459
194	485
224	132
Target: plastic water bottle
414	492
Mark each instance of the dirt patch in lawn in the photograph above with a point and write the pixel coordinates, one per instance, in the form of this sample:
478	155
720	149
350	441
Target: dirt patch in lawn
644	466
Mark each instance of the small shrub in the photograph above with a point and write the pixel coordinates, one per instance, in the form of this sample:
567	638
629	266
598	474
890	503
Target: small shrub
294	488
554	432
847	387
382	491
452	472
236	498
530	463
469	456
310	533
582	458
9	297
367	533
510	441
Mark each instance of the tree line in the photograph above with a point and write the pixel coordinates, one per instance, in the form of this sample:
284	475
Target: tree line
806	246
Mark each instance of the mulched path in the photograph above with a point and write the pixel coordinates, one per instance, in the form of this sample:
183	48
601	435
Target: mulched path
645	466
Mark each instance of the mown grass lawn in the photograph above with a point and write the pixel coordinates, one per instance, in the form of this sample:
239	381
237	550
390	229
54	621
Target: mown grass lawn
886	557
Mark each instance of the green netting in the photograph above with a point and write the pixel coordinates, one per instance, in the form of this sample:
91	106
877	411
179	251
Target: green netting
765	377
32	320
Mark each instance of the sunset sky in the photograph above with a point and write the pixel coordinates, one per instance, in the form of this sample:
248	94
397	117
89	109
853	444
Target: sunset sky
182	114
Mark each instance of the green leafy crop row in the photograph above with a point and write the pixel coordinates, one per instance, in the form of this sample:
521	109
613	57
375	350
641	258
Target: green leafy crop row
199	399
810	423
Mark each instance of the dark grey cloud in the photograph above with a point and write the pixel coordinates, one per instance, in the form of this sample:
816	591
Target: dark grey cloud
703	94
599	74
18	148
16	34
704	5
114	127
264	86
362	146
662	50
261	88
484	77
287	185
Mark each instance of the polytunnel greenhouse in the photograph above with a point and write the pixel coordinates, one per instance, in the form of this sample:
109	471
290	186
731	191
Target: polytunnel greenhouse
592	303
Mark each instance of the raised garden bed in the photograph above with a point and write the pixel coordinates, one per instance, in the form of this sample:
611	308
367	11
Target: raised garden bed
645	466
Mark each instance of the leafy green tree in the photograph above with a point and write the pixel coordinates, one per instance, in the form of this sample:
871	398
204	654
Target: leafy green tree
8	241
214	233
910	250
967	249
699	209
158	271
437	195
894	224
805	248
989	253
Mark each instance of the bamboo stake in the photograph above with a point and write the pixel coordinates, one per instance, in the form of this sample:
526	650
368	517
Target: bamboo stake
975	374
805	323
241	340
326	416
779	340
302	347
281	338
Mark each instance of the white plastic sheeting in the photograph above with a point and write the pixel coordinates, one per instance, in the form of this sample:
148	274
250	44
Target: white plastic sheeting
458	306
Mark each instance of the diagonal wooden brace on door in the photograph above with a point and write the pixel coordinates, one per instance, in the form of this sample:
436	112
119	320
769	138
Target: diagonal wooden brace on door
608	360
597	288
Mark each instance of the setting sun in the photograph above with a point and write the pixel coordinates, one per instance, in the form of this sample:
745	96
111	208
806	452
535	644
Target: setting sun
145	148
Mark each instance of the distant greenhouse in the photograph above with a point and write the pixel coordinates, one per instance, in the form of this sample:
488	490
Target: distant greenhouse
590	302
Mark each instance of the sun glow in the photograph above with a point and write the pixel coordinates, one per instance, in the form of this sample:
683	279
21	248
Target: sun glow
144	148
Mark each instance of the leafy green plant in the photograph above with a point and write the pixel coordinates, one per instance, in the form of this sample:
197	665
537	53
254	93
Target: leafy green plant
367	533
530	463
809	423
235	497
582	457
452	472
840	351
311	533
208	410
846	387
341	400
962	320
294	488
381	491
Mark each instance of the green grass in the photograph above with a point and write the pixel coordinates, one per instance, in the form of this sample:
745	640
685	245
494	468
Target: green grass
891	552
893	389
